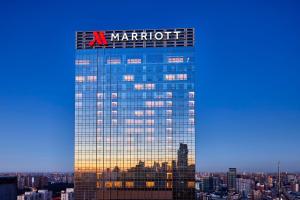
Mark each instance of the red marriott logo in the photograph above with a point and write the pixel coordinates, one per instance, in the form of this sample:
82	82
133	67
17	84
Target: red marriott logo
99	37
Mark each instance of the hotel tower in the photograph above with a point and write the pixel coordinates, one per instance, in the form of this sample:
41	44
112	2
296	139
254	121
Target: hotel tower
135	114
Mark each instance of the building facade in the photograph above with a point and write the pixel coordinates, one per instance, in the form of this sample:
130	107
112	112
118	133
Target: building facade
68	194
231	180
135	114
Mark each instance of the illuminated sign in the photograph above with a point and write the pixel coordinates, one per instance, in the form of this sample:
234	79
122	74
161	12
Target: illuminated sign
144	36
137	38
99	37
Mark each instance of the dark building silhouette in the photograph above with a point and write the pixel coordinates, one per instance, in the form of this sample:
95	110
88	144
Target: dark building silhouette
231	180
182	159
184	175
8	188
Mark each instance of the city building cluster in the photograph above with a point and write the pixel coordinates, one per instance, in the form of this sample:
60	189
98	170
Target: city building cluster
36	186
256	186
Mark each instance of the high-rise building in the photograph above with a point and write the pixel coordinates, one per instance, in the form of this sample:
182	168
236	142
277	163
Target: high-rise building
68	194
8	188
231	180
244	186
135	114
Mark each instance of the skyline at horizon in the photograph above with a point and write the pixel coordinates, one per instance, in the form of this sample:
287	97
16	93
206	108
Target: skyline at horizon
247	68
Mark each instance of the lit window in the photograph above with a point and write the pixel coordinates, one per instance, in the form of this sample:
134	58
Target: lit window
114	95
169	112
191	184
100	95
134	61
129	184
191	103
80	79
139	113
192	121
175	60
91	78
118	184
78	95
191	130
149	112
134	121
191	95
169	121
114	112
78	104
154	103
114	104
169	95
173	77
170	77
82	62
169	103
150	121
108	184
99	184
113	61
99	122
128	78
150	184
99	112
149	86
181	77
138	86
169	184
114	121
192	112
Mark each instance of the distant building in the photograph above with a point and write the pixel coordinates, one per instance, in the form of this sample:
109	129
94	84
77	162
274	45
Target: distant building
28	196
231	180
244	186
295	187
67	195
33	195
8	188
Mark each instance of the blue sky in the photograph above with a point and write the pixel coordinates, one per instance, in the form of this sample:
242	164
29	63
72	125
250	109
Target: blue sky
248	78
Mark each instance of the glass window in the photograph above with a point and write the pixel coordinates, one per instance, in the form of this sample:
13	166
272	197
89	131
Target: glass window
175	59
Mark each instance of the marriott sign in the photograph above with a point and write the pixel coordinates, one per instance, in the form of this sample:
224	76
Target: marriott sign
144	36
135	38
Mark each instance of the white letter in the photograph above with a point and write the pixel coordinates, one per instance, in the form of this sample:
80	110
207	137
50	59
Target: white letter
177	33
168	34
114	36
143	36
134	36
158	38
125	37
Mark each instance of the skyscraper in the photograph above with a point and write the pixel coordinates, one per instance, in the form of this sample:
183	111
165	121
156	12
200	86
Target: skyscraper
231	180
135	114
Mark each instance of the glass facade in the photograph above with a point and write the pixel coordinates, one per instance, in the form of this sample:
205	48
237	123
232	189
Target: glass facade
135	123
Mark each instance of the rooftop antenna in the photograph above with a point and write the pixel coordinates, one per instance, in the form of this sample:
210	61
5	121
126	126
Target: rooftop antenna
279	180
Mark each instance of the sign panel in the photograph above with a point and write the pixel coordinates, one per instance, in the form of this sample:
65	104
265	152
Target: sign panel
135	38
